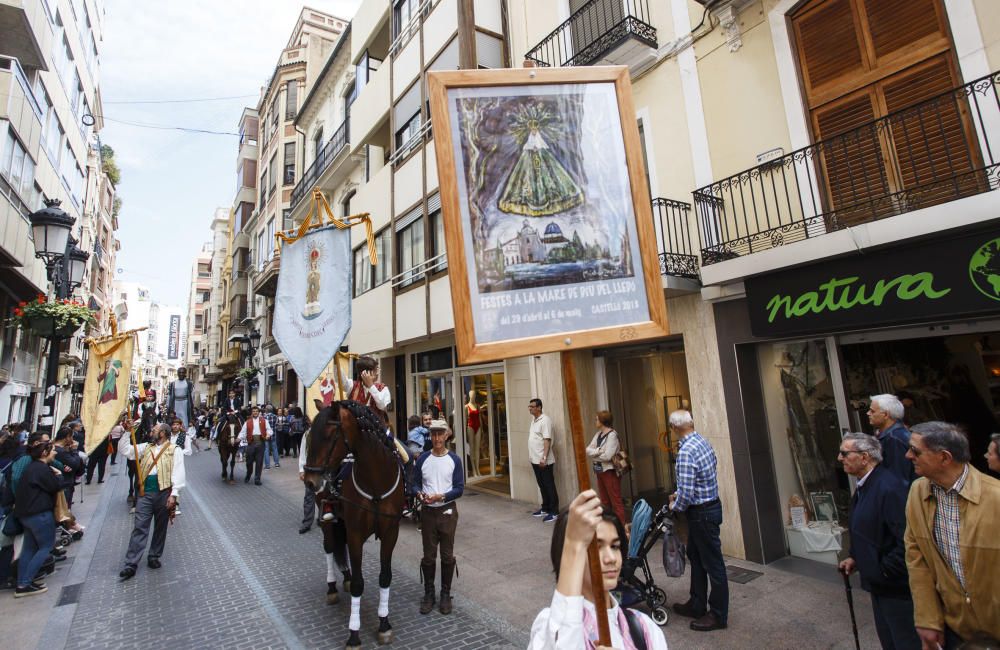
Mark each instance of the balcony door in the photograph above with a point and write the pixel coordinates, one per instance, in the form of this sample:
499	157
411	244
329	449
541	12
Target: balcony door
589	26
864	60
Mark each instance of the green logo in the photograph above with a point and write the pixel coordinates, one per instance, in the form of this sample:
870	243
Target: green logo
845	293
984	269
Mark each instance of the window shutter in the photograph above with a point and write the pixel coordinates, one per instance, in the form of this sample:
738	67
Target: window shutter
408	218
433	204
829	45
932	143
855	173
894	24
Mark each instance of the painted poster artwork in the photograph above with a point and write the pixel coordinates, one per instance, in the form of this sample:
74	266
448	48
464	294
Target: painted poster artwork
547	204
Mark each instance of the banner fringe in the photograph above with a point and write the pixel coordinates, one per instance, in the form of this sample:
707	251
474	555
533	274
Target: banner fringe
319	208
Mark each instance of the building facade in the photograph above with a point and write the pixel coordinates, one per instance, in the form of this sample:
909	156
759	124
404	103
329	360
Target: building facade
832	151
50	110
199	301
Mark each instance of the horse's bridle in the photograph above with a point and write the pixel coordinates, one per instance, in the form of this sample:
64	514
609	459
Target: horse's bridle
328	470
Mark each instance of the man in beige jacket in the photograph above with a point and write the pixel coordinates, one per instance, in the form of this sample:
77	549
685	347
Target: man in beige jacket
952	528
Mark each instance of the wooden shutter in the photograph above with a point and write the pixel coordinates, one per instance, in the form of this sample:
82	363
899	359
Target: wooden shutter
853	164
933	144
829	44
895	24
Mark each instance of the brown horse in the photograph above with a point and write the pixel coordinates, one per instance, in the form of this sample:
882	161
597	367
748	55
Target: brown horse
371	500
226	434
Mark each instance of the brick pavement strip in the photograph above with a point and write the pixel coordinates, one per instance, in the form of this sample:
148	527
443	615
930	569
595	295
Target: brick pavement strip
261	585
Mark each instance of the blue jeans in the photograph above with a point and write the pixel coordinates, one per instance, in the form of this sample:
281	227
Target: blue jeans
39	539
271	449
704	549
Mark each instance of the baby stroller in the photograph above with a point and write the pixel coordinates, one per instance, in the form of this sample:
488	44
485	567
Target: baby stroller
635	585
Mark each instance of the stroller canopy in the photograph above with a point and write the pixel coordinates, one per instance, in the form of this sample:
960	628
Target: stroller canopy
642	515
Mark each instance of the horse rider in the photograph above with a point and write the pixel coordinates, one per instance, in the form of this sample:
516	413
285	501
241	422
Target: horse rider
255	433
161	470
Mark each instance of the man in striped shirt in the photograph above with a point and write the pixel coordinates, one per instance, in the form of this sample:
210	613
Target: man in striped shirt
698	495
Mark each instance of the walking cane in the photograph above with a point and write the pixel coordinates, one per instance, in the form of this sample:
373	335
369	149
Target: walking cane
850	606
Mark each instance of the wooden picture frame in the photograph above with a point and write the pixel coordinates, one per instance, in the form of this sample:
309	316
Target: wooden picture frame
522	152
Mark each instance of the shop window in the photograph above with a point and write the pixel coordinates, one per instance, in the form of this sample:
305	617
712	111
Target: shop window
440	359
805	438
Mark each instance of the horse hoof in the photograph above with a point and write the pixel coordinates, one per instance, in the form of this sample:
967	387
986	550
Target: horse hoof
347	586
354	641
332	599
385	638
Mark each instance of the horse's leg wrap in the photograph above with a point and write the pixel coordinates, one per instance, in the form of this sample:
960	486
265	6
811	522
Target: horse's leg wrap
355	623
383	602
331	575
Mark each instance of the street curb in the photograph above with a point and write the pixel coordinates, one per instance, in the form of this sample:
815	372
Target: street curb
60	622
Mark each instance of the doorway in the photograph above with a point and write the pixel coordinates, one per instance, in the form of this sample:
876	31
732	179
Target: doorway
484	423
644	386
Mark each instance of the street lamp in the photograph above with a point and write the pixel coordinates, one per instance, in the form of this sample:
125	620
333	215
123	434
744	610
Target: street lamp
65	265
254	340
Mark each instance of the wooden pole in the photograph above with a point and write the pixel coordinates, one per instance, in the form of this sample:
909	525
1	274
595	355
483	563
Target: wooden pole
583	478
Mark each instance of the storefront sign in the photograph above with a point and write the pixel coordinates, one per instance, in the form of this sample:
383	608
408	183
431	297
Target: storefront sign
941	279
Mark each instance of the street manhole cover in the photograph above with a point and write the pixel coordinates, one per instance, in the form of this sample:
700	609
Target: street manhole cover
741	575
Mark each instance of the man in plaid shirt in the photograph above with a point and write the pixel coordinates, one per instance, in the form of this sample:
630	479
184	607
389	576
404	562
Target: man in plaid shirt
698	495
271	445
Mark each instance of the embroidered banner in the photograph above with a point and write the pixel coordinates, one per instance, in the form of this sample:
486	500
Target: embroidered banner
106	388
312	306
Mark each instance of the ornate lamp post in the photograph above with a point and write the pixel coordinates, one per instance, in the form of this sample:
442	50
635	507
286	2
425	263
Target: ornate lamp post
65	264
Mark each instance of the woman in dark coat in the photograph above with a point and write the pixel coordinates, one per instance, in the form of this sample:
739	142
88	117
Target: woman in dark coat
35	501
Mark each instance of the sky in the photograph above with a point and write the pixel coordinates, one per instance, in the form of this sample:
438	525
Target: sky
172	181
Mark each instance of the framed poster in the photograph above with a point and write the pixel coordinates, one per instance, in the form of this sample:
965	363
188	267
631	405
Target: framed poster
547	214
824	506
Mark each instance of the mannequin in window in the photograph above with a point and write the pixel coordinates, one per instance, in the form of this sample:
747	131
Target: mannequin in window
474	427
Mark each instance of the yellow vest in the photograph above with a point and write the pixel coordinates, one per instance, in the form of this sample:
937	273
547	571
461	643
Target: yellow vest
164	464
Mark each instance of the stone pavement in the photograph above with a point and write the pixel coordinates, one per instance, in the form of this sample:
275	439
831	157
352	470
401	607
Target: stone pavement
237	575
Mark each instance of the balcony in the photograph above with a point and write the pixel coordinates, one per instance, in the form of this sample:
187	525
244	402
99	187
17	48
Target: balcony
20	21
934	152
229	358
19	104
336	145
266	282
677	253
601	32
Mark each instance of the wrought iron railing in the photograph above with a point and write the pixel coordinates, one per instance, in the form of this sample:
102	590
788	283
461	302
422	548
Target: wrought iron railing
939	150
592	31
677	253
337	142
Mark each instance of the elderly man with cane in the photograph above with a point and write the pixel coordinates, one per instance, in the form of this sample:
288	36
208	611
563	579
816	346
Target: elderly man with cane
877	523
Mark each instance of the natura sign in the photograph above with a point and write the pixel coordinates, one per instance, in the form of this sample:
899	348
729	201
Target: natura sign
928	281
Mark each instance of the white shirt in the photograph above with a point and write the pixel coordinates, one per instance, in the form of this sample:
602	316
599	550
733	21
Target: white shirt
302	452
560	625
381	397
187	442
242	437
538	433
437	473
176	478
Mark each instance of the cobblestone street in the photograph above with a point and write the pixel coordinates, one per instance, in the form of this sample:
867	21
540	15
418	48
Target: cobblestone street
237	575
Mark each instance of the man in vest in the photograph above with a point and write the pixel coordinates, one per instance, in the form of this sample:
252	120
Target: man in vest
161	475
255	433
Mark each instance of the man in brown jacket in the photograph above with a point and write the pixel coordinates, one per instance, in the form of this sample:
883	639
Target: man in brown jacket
952	528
